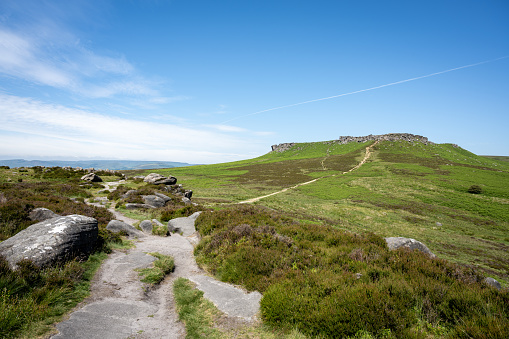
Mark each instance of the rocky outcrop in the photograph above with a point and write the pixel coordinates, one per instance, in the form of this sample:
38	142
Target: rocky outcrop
348	139
92	177
158	179
117	226
397	242
41	214
51	241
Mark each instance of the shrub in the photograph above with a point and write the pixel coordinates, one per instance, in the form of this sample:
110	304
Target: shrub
475	189
331	283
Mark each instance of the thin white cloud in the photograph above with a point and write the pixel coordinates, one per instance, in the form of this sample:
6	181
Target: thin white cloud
18	58
227	128
53	130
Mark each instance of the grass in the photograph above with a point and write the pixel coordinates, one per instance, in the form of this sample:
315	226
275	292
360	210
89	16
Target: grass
31	299
161	267
332	283
197	313
202	319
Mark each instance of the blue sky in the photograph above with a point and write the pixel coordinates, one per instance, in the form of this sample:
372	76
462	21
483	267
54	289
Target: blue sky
185	80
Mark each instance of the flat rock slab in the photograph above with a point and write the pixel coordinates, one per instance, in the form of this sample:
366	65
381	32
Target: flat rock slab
184	224
229	299
109	319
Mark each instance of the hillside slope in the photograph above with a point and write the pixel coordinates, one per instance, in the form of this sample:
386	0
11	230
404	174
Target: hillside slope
413	188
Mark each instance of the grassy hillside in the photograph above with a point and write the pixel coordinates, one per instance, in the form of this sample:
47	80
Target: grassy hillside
405	189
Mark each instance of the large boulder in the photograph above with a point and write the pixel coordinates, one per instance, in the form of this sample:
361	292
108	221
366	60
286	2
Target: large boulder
157	179
92	177
117	226
397	242
41	214
51	241
153	200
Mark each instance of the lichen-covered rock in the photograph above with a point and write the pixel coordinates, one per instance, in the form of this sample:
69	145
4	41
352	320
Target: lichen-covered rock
117	226
53	240
397	242
41	214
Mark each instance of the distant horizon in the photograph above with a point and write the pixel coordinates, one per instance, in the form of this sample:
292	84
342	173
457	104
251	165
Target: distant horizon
213	82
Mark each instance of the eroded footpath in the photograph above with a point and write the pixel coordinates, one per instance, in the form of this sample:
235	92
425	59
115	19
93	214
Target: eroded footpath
120	306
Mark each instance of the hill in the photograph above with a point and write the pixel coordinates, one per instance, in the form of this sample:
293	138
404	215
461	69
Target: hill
408	187
118	165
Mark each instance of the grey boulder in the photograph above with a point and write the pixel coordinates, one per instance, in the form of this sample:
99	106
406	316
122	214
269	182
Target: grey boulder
153	200
397	242
92	177
162	196
41	214
146	226
117	226
493	282
51	241
157	179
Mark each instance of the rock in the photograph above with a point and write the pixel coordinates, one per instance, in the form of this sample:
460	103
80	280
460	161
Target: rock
439	224
41	214
186	201
153	200
173	227
156	222
92	177
132	206
493	282
157	179
128	193
164	197
146	226
397	242
51	241
117	226
188	194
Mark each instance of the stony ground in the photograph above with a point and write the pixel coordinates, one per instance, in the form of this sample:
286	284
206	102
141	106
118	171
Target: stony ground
120	306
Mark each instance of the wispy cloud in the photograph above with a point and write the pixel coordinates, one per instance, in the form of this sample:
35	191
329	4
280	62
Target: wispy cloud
42	49
48	129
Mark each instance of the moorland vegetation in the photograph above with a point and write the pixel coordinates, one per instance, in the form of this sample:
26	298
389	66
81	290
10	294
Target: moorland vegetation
316	252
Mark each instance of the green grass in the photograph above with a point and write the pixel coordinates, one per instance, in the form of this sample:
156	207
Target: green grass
202	318
196	312
161	267
32	299
307	273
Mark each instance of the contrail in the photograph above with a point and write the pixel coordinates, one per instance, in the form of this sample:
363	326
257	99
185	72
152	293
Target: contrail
367	89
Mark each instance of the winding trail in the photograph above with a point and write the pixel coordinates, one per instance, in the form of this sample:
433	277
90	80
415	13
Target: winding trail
363	161
121	306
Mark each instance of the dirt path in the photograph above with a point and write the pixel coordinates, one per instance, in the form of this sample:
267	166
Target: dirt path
363	161
121	306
